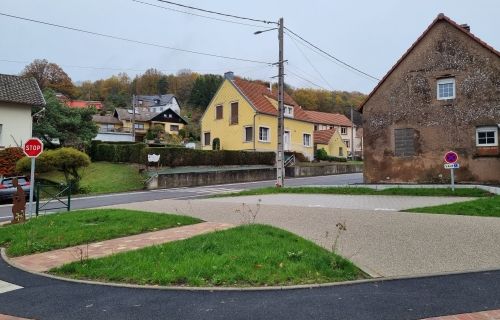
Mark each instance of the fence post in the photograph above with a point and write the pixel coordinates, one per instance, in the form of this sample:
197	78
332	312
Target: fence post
37	207
69	196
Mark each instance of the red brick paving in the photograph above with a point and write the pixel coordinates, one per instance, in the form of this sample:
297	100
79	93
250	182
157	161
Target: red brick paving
45	261
485	315
6	317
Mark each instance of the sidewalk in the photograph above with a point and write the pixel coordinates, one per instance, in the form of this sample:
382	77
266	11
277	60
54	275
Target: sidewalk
485	315
45	261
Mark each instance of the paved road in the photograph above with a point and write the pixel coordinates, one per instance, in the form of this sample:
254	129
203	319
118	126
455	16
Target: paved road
194	192
44	298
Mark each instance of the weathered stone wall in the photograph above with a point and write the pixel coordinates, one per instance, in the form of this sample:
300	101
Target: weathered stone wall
407	99
324	170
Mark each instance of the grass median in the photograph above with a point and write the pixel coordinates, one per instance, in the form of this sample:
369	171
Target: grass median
484	207
459	192
68	229
249	255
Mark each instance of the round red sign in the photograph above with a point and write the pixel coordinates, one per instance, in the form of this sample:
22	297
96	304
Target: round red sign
451	157
33	147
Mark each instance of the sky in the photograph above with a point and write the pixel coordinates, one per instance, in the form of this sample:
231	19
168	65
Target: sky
369	35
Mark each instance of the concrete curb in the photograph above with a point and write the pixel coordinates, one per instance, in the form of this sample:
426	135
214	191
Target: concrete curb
212	289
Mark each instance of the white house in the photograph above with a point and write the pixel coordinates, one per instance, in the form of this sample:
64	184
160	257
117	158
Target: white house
159	103
17	96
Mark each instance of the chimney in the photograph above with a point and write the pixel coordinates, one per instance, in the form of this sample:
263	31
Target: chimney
465	26
229	75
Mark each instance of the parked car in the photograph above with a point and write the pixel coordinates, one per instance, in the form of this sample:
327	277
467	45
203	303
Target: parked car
7	189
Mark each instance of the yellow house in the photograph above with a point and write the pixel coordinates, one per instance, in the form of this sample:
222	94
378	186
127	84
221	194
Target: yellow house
331	141
243	116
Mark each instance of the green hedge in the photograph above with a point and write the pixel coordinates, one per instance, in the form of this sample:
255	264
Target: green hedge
174	157
321	154
117	152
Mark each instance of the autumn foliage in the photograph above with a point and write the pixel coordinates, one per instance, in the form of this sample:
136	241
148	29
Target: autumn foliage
8	159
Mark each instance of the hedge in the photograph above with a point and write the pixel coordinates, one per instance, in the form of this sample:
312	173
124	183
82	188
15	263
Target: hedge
174	157
117	152
8	159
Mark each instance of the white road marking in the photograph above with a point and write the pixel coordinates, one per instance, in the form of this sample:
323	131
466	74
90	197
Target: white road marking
6	287
385	209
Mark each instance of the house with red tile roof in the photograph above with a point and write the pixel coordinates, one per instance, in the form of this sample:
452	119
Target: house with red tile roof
331	141
242	115
441	95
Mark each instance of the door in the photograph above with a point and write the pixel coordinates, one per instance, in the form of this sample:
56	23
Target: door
286	140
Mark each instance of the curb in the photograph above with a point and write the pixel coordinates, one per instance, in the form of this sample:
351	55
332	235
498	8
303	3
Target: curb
269	288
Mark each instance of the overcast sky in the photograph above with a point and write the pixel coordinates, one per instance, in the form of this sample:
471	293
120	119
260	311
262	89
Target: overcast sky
370	35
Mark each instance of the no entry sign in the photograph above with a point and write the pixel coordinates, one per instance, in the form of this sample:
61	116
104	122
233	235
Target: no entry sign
33	147
451	157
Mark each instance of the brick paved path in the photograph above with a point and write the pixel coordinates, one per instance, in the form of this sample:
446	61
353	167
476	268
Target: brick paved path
485	315
41	262
6	317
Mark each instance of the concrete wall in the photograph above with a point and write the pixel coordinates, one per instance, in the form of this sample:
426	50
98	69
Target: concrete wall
327	169
191	179
114	136
15	121
408	99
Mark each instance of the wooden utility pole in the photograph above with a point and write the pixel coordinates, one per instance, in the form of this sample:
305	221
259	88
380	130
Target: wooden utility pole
352	135
280	162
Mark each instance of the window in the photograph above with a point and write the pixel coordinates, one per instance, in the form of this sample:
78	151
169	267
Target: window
343	130
487	136
306	137
446	89
341	152
107	127
206	138
234	113
139	126
404	142
347	143
315	127
264	134
174	127
218	112
248	134
288	111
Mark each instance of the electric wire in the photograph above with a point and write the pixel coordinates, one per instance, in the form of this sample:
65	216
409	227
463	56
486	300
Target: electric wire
198	15
133	41
331	56
217	13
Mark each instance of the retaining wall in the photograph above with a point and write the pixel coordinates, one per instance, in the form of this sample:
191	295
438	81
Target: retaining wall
322	170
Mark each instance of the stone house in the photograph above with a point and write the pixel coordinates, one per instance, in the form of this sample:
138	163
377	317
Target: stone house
443	94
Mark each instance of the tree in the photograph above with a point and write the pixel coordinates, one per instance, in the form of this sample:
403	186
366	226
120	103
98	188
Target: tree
50	76
204	88
66	160
73	127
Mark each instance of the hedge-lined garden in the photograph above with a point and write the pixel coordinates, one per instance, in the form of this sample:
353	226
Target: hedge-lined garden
174	156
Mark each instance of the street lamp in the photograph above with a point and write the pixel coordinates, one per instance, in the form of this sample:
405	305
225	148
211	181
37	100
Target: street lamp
280	162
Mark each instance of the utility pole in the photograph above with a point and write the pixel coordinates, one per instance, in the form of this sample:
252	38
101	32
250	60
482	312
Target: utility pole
133	117
352	135
280	163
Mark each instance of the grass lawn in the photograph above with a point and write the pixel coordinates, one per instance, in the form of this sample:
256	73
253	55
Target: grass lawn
459	192
486	207
249	255
68	229
104	177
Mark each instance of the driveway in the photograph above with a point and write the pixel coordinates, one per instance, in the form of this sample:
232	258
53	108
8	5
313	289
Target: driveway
384	243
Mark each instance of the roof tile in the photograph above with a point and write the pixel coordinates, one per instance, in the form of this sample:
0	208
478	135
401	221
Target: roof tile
18	89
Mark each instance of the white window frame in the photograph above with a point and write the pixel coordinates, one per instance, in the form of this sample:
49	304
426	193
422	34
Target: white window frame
343	130
304	134
487	129
245	134
347	144
290	111
442	82
268	134
139	126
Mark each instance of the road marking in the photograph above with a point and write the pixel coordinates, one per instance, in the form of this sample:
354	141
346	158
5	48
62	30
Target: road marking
385	209
6	287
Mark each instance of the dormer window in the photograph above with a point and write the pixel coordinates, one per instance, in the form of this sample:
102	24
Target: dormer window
288	111
446	89
157	101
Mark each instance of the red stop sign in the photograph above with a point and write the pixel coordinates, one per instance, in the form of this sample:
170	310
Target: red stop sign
33	147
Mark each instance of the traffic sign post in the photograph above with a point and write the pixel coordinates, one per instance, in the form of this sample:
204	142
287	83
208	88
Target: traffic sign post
32	148
451	158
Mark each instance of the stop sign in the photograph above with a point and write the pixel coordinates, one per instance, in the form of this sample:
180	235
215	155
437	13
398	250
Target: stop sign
33	147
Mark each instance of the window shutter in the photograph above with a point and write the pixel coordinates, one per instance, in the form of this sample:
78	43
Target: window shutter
234	113
404	142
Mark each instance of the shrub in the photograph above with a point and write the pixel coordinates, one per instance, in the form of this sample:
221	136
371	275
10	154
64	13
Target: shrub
216	144
8	159
174	157
321	154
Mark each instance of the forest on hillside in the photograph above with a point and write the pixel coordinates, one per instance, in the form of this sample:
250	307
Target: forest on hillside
193	90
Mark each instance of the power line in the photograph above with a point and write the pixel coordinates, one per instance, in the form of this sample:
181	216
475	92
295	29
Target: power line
198	15
133	41
331	56
218	13
307	80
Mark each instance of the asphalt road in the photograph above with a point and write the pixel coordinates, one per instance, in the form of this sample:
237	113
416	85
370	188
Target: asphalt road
187	193
44	298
